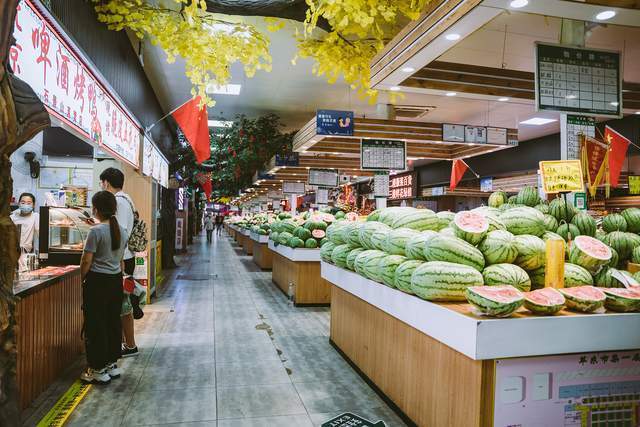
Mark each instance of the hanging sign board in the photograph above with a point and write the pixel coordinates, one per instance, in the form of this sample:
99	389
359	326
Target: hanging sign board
287	159
576	126
180	199
274	194
486	184
382	154
291	187
453	133
497	136
561	176
322	196
154	164
578	80
381	185
437	191
323	177
333	122
634	184
55	69
475	134
402	186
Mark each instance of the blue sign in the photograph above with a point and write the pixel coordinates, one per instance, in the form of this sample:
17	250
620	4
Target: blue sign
332	122
486	184
288	159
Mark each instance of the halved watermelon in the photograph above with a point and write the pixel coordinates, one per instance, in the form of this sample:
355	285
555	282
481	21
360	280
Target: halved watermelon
351	216
499	301
589	253
544	301
318	234
584	298
622	299
470	226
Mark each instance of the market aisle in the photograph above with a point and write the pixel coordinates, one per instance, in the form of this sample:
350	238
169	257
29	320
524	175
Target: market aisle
222	343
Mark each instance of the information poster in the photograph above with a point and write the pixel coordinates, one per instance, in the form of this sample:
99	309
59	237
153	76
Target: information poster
334	122
381	185
323	177
322	196
291	187
486	184
453	133
561	176
382	154
497	136
475	134
437	191
578	80
576	126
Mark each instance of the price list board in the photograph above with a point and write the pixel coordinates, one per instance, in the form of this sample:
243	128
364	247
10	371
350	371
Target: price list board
382	154
576	126
323	177
578	80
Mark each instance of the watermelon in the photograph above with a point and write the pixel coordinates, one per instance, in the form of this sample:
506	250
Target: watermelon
339	255
507	206
585	223
507	274
367	232
537	278
614	222
583	298
448	231
351	216
544	301
499	301
389	215
444	281
414	248
495	223
374	215
524	220
498	247
614	258
565	229
339	215
619	241
323	241
589	253
444	219
528	196
531	251
362	259
470	226
574	275
487	211
497	199
351	257
318	233
550	223
274	236
420	220
605	278
313	224
403	273
369	264
561	210
288	225
326	250
632	217
352	233
311	243
387	268
542	207
302	233
624	300
550	235
634	240
455	250
296	242
334	232
284	238
512	200
600	235
397	240
635	255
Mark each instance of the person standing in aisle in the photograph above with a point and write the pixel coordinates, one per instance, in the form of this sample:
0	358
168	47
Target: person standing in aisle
112	180
101	270
209	225
28	221
219	221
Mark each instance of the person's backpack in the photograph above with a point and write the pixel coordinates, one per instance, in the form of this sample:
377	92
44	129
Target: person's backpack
138	238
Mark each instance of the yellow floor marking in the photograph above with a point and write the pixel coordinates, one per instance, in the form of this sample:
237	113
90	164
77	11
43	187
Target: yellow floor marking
64	407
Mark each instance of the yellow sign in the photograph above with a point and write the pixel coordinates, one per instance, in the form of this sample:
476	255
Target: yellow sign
634	184
561	176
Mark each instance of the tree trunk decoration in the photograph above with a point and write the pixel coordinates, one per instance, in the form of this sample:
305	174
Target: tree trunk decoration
22	115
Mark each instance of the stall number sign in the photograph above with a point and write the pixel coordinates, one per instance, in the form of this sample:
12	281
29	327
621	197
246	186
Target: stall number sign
351	420
382	154
634	184
66	85
323	177
561	176
578	80
401	187
333	122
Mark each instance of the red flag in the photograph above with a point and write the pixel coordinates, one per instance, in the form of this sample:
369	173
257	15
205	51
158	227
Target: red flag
458	169
194	122
618	146
207	186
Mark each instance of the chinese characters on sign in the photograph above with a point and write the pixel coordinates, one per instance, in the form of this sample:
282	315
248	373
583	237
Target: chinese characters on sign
323	177
561	176
332	122
402	186
576	126
154	164
582	81
382	154
42	58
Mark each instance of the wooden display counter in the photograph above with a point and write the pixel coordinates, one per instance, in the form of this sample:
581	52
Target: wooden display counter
301	267
247	243
49	324
441	364
262	255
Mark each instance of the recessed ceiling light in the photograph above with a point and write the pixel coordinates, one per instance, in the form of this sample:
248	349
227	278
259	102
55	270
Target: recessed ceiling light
517	4
503	99
614	103
604	15
220	123
452	36
538	121
408	70
451	94
394	88
638	112
228	89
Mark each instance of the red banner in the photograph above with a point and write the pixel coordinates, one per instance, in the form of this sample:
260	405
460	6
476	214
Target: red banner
619	145
596	153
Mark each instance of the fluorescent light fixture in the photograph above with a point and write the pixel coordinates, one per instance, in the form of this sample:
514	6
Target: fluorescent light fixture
572	96
517	4
228	89
638	112
538	121
452	36
503	99
614	103
606	14
220	123
394	88
408	69
451	94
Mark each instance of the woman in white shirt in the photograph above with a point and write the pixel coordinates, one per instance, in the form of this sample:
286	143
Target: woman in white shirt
28	221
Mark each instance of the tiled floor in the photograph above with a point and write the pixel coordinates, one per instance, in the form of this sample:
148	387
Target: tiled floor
222	347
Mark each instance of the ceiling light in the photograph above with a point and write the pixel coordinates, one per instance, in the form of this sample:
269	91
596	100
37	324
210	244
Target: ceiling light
604	15
451	94
538	121
408	70
452	36
220	123
572	96
394	88
638	112
503	99
228	89
614	103
517	4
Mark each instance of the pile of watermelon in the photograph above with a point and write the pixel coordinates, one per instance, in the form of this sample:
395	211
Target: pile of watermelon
303	231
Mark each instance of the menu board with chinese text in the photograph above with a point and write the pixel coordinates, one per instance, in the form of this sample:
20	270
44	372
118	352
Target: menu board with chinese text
323	177
382	154
402	186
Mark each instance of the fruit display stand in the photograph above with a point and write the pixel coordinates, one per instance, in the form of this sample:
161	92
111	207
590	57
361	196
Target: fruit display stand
300	267
240	237
233	232
262	255
247	243
441	364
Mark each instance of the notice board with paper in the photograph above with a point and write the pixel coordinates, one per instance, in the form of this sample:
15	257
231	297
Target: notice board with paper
561	176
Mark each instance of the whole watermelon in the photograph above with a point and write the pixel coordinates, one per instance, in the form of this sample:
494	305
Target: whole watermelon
389	215
605	278
632	216
614	222
403	273
444	281
351	257
370	230
311	243
334	232
585	223
362	257
339	255
542	207
351	233
507	274
497	199
550	223
561	210
387	268
574	275
455	250
368	262
495	223
550	235
420	220
528	196
326	251
414	248
635	255
499	247
565	229
619	241
448	231
531	252
396	240
487	211
537	278
634	239
524	220
512	200
374	215
444	219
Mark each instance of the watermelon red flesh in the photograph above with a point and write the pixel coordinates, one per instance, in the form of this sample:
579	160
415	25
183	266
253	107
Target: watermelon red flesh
352	216
544	301
470	226
318	234
589	253
584	298
625	299
498	301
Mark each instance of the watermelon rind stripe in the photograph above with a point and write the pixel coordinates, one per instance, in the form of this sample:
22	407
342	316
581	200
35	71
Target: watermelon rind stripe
489	306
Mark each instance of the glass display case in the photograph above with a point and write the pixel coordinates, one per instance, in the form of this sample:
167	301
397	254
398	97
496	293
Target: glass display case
63	232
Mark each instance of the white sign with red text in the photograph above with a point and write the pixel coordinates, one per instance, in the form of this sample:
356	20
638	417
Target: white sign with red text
154	164
45	60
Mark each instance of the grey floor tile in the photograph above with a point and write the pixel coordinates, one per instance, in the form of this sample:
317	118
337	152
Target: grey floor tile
100	404
332	396
190	375
179	406
246	352
257	372
288	421
258	401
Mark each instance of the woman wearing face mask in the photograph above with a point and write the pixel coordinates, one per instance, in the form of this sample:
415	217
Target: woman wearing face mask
28	220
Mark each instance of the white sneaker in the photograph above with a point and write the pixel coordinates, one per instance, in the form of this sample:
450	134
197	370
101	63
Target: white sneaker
113	371
94	376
